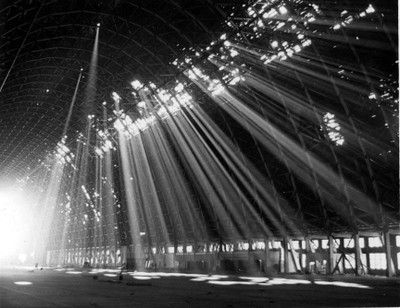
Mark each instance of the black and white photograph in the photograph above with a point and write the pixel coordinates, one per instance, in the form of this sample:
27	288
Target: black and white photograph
199	153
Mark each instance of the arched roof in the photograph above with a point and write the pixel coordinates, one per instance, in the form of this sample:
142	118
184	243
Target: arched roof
45	44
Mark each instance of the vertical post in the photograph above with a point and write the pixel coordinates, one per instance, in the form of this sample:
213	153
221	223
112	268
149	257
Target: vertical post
395	260
285	255
250	258
124	253
308	251
343	253
388	252
295	257
331	254
367	250
357	253
266	261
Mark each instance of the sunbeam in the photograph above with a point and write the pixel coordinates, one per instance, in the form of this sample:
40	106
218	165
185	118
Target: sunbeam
250	148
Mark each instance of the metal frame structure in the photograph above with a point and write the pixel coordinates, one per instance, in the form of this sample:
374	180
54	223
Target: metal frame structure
45	45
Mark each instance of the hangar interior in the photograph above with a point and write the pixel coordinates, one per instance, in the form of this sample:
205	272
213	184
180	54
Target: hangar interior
256	136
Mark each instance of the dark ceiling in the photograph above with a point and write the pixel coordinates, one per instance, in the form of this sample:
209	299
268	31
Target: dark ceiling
45	44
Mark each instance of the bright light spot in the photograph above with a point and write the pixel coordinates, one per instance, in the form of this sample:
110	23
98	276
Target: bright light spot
179	87
164	96
370	9
297	48
255	279
336	27
118	125
233	53
23	283
235	80
136	84
270	13
280	25
141	104
283	10
98	151
16	231
230	283
73	272
306	43
341	284
333	128
274	44
216	87
283	281
22	258
116	97
143	277
205	278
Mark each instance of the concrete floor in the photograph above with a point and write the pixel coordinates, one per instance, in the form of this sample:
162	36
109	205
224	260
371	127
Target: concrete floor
27	287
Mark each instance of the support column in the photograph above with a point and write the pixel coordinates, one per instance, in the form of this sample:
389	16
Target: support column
266	262
295	257
308	251
343	254
250	258
357	254
285	255
388	252
331	260
124	254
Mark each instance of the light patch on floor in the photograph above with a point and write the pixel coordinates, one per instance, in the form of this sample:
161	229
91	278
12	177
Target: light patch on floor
73	272
341	284
23	283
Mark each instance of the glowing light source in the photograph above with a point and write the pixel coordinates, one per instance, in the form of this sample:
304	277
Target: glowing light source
233	53
15	223
283	10
333	128
216	87
116	97
63	154
136	84
141	104
370	9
